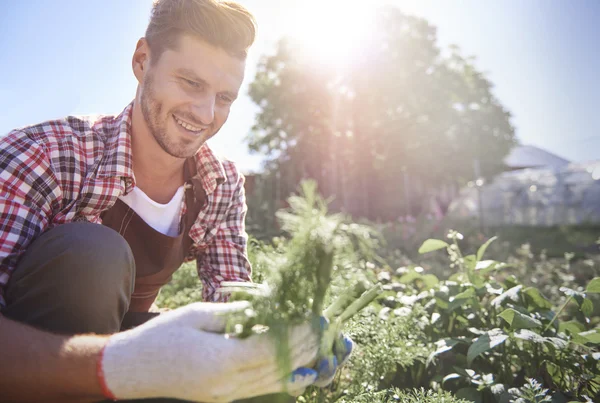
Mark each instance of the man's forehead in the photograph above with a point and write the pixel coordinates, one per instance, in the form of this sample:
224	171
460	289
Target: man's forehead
196	57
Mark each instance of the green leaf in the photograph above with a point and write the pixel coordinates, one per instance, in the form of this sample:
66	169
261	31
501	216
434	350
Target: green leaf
432	244
517	320
442	303
430	280
553	370
483	247
587	307
485	266
484	343
510	294
511	281
594	286
470	262
534	296
461	299
572	327
442	346
525	334
557	342
468	293
409	277
577	295
591	336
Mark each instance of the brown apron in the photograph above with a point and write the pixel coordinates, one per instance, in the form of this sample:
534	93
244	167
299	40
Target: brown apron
157	256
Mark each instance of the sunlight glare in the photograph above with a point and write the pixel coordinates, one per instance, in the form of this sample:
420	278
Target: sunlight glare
332	32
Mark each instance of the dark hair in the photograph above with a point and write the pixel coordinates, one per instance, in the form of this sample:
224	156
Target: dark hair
224	24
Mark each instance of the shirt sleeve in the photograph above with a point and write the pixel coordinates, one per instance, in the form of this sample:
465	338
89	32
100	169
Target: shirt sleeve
226	257
28	189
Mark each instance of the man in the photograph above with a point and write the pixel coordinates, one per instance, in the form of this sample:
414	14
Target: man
69	287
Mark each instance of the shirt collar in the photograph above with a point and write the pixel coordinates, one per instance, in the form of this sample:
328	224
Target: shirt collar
116	133
206	169
209	170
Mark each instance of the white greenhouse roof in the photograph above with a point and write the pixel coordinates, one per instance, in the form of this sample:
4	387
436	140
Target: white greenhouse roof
527	156
536	197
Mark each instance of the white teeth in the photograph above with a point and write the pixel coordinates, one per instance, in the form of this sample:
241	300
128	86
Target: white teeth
186	125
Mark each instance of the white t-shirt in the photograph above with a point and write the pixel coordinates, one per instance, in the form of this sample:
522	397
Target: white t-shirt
162	217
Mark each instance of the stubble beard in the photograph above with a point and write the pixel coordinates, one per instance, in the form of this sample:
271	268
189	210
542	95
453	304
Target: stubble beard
152	110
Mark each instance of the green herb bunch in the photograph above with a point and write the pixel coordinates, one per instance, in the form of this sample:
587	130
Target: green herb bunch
321	249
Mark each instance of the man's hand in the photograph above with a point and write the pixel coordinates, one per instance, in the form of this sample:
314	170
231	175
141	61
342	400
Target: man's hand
327	367
183	354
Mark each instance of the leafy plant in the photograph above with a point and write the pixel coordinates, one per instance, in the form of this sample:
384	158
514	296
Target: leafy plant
481	330
491	333
320	247
530	392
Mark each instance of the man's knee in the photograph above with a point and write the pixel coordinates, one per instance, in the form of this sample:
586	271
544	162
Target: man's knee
82	272
94	260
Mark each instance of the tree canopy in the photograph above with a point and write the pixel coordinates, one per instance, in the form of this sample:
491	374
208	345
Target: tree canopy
405	108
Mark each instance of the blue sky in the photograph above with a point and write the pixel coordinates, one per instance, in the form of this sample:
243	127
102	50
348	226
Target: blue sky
66	57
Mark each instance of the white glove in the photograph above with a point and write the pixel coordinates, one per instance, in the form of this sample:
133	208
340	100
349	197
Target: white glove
183	354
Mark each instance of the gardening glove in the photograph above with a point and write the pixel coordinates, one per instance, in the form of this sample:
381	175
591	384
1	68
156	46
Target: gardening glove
184	354
327	366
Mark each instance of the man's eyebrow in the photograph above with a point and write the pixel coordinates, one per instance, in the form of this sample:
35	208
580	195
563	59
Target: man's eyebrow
191	74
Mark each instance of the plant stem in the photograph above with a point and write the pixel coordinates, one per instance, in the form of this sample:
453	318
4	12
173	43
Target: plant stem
323	278
365	299
344	300
557	313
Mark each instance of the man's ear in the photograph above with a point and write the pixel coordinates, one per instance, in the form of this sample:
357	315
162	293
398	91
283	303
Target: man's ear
141	59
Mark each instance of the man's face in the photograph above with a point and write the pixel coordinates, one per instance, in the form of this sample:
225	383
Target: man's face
187	94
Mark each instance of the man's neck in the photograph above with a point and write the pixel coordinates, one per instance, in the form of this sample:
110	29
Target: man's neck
157	173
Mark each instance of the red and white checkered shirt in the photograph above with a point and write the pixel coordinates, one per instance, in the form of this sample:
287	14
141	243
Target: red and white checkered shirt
75	168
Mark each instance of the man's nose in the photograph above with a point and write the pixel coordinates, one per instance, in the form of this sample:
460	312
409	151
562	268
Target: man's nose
204	109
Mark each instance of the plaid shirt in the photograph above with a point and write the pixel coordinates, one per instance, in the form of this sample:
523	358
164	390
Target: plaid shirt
73	169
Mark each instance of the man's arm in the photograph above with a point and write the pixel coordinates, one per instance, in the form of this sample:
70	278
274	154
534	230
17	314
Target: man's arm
28	190
183	354
36	364
226	258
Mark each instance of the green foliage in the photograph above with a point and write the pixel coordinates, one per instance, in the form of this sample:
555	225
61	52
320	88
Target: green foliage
494	331
531	392
524	330
183	289
403	396
407	107
320	247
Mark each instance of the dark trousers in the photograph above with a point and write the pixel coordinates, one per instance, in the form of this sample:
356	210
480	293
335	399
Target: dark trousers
76	278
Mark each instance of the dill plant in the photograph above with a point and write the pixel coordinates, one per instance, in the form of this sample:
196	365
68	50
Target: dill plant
297	274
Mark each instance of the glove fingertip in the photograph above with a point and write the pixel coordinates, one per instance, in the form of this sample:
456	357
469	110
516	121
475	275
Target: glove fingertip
327	367
303	377
348	344
344	349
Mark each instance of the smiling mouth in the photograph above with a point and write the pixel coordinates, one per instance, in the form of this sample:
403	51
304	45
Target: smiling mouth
187	126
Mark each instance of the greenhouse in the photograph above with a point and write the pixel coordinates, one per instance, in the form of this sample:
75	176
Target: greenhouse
566	195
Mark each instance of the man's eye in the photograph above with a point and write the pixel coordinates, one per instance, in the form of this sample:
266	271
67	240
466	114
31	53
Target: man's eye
191	83
226	99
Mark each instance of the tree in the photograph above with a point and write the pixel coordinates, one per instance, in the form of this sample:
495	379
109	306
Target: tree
405	108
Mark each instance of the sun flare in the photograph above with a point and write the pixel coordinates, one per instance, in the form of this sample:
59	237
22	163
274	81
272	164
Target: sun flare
331	32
